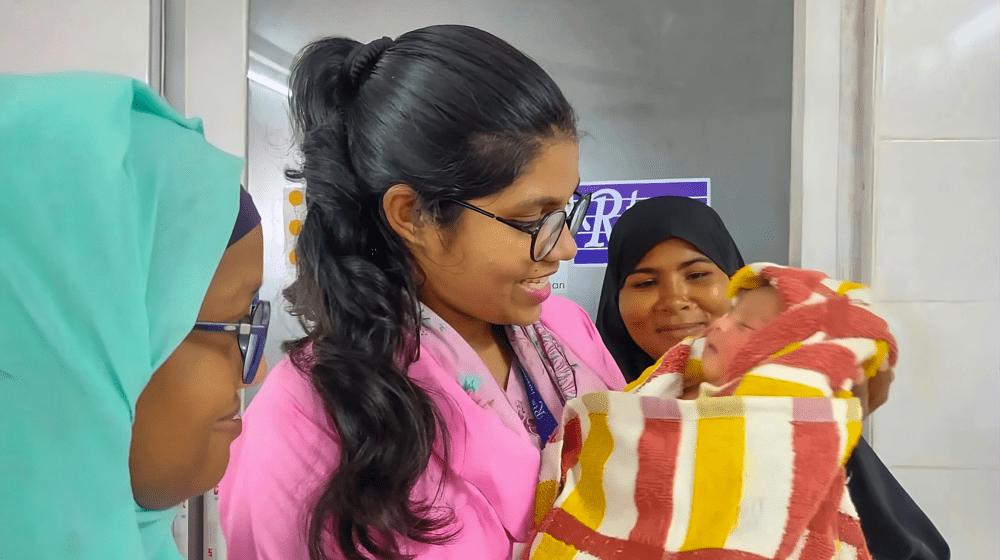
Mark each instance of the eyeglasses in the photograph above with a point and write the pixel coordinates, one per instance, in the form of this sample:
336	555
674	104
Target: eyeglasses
544	232
251	336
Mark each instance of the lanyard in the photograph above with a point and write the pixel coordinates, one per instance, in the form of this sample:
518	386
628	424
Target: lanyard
544	420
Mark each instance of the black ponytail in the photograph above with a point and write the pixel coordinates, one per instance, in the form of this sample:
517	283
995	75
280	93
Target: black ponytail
453	112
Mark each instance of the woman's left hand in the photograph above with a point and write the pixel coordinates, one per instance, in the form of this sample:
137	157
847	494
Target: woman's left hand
874	391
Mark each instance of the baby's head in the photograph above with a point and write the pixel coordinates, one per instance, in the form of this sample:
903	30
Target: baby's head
752	310
788	318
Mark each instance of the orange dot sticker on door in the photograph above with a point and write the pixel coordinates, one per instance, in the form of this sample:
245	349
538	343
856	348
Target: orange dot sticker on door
294	213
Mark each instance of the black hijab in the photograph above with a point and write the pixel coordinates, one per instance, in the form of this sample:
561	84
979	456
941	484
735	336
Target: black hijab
638	230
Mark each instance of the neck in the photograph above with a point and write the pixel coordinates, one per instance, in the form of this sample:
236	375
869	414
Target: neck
487	340
477	333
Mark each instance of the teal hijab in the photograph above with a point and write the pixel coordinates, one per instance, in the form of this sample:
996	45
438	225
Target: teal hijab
114	214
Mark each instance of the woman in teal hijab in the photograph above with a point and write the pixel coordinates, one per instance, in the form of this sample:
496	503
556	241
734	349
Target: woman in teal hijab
128	317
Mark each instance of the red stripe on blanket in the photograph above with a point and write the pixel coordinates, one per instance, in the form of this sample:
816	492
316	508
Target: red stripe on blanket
572	443
660	409
794	324
850	533
818	547
832	360
803	322
817	460
654	484
674	361
812	410
825	523
712	554
795	284
566	528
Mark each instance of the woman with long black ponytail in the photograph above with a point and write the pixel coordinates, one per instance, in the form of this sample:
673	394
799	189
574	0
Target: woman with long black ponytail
440	172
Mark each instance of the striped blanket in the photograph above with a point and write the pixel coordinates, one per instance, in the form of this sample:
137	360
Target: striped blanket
750	470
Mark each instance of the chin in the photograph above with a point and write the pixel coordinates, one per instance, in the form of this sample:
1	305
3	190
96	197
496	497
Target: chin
659	350
207	477
525	317
164	498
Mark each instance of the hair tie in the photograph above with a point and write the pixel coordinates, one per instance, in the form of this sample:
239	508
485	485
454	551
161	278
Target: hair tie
357	66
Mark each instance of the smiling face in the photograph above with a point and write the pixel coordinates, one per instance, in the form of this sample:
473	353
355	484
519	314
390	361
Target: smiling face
726	336
184	416
674	292
480	271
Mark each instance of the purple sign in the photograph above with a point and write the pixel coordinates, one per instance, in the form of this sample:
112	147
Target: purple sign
611	199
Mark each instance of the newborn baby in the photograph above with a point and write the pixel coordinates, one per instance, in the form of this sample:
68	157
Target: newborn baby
752	311
732	443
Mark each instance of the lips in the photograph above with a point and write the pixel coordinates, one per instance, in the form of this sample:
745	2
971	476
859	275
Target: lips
539	279
537	289
536	283
231	424
234	415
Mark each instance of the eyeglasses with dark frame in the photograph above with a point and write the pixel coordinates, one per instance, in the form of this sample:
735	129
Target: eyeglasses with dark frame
550	224
251	336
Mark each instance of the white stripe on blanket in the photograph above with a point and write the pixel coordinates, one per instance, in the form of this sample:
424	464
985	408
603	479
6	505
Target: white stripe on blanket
620	513
797	551
684	478
767	481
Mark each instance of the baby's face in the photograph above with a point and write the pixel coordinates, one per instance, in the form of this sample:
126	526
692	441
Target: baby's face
728	334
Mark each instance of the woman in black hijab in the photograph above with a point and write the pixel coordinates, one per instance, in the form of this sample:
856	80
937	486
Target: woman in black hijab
669	296
669	261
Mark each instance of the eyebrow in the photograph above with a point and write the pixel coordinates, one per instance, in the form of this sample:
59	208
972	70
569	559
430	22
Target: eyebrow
541	201
644	271
698	260
685	264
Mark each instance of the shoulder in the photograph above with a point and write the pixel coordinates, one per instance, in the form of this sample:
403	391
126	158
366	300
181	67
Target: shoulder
564	314
287	414
287	450
575	330
569	322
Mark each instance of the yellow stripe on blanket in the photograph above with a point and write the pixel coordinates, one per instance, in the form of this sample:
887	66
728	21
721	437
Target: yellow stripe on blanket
718	474
848	286
554	549
745	278
545	496
644	376
872	364
755	385
586	503
853	416
693	369
853	435
788	349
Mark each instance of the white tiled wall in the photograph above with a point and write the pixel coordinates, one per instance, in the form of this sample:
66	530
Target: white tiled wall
937	259
940	77
57	36
937	233
963	505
